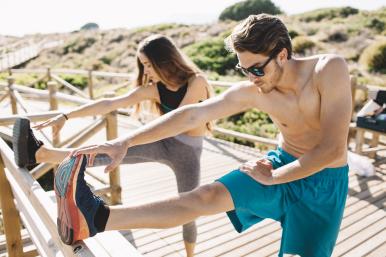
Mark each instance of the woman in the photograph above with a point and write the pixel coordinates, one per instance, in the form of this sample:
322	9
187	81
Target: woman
168	80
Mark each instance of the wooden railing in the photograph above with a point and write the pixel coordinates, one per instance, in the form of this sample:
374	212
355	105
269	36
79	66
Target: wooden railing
24	201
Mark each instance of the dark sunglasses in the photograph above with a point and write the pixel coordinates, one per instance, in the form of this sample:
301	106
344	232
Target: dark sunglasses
257	71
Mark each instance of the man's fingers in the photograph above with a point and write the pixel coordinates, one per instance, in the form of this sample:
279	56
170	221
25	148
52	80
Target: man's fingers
55	131
85	150
39	126
90	160
246	168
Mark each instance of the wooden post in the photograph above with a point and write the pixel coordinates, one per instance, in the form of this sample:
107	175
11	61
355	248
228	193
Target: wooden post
374	143
111	133
11	216
11	80
90	85
52	89
360	138
48	74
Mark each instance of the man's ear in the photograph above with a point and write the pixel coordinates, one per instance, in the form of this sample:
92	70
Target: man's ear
282	56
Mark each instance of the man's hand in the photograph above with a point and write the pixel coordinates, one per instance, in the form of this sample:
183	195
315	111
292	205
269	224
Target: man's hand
260	170
116	150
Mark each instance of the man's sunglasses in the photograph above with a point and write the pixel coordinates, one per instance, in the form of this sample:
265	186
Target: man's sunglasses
257	71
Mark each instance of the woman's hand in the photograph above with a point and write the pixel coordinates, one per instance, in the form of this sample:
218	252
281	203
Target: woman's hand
56	122
116	150
260	170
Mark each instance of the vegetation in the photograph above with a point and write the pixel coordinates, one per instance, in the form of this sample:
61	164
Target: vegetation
90	26
211	55
78	46
328	14
242	10
374	57
301	44
253	122
76	80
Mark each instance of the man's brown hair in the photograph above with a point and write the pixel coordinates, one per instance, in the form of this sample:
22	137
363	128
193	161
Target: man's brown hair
260	34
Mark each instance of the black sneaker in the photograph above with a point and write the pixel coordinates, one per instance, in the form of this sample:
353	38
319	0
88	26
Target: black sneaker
24	143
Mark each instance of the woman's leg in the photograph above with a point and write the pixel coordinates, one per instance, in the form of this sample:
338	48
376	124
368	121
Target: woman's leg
185	162
188	178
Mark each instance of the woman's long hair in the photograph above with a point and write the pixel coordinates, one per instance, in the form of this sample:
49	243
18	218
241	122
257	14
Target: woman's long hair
170	64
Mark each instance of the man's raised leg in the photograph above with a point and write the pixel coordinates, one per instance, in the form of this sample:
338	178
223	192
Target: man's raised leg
81	214
205	200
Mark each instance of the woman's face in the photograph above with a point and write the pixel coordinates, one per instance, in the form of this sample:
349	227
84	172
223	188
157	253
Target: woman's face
148	69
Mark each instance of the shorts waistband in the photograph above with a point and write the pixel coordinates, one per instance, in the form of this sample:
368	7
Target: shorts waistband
330	173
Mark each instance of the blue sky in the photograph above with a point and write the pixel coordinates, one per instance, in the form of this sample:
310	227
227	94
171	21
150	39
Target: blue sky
19	17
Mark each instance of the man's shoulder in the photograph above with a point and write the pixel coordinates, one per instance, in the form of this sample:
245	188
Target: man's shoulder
329	64
329	70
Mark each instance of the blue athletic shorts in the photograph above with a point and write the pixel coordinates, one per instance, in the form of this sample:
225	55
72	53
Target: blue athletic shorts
310	210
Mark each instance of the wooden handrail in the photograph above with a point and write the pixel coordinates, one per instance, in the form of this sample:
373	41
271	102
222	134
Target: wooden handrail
252	138
39	217
69	86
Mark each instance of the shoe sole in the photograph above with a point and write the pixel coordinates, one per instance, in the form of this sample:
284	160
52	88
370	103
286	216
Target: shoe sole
71	224
20	141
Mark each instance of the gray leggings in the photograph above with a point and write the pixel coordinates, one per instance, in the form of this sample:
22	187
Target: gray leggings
181	153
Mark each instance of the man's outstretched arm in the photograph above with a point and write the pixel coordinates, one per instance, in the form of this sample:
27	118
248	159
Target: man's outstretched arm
236	99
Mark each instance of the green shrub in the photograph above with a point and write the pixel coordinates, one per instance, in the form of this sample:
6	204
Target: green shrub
158	27
252	122
106	60
76	80
374	57
338	36
211	55
293	33
79	45
328	13
242	10
301	44
117	39
90	26
376	24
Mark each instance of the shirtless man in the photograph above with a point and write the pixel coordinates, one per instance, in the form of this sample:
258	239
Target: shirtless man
303	184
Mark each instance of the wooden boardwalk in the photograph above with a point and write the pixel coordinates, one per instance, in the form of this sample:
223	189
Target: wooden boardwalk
363	231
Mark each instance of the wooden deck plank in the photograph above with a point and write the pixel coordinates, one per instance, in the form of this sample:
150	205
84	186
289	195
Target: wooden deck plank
380	251
369	245
358	238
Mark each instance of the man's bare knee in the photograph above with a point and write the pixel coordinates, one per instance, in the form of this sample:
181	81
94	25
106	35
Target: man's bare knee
212	198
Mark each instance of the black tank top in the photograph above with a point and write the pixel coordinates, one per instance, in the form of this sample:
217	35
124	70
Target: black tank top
170	100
